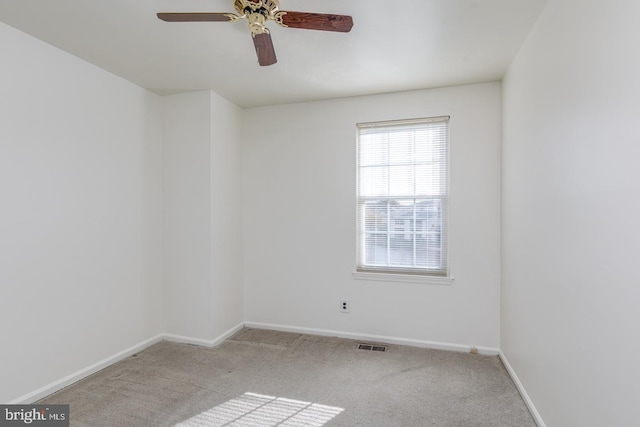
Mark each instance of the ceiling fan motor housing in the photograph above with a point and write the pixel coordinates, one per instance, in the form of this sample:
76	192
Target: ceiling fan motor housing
267	8
257	12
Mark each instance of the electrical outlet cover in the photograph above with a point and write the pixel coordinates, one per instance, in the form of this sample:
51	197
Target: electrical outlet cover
344	306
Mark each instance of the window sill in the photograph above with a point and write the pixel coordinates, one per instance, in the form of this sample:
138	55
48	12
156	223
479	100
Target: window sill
407	278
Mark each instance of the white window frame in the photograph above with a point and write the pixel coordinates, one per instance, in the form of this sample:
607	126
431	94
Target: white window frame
403	274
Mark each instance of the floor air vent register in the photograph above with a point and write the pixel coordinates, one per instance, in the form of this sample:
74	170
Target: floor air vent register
372	347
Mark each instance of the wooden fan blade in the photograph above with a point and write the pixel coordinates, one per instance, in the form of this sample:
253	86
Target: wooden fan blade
264	49
317	21
194	17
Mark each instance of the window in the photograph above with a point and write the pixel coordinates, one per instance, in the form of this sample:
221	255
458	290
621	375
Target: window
403	197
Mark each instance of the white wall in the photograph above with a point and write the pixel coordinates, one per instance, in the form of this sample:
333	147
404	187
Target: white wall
80	214
187	213
202	258
571	231
226	215
85	184
299	219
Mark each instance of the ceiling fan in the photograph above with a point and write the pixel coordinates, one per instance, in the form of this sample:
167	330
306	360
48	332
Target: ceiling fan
258	12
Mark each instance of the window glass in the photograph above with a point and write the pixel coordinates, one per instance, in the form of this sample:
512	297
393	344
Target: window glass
403	196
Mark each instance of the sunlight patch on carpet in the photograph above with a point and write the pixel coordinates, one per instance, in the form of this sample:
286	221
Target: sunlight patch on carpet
257	410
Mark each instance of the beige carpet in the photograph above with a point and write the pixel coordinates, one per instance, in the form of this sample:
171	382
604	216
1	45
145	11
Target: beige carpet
268	378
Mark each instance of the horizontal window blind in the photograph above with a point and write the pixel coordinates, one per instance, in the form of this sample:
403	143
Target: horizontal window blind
403	196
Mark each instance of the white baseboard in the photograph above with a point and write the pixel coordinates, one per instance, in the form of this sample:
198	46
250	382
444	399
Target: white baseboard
527	400
376	338
205	343
83	373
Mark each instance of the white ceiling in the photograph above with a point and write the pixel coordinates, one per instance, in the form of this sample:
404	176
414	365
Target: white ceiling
394	45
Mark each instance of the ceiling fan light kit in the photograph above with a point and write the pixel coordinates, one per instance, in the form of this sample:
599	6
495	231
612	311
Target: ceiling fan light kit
258	12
